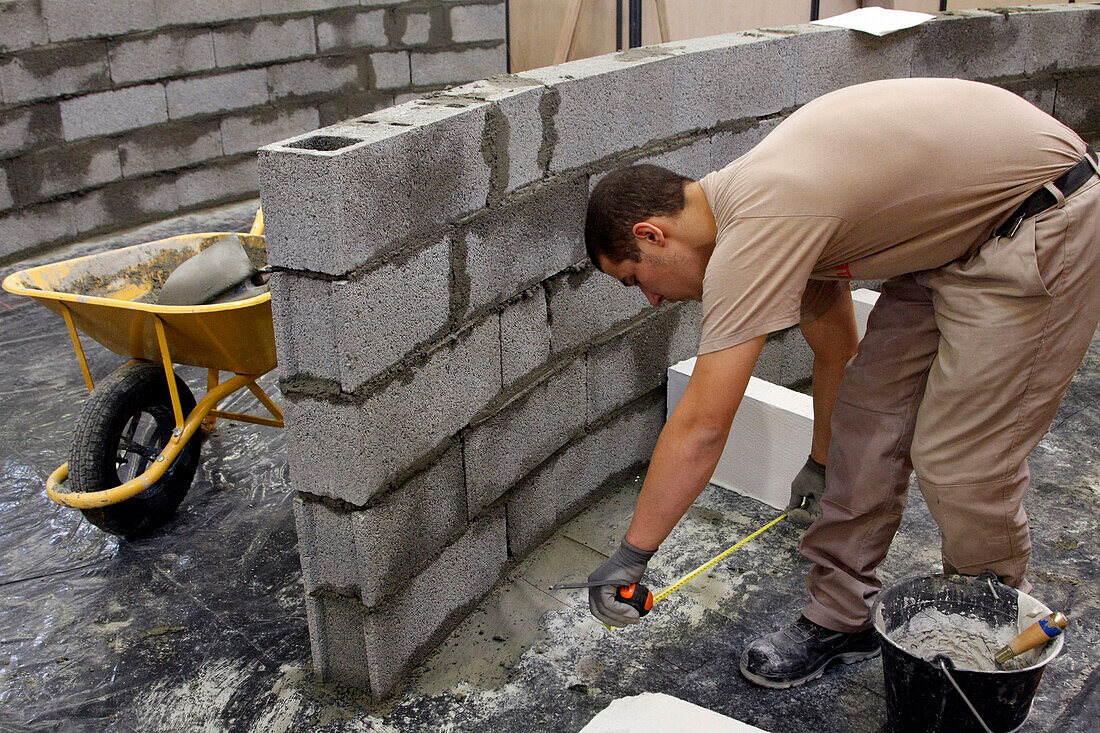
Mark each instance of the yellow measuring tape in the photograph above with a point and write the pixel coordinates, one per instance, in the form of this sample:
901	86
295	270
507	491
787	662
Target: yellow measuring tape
714	561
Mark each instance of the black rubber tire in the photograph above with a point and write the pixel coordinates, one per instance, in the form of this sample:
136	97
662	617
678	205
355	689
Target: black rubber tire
133	399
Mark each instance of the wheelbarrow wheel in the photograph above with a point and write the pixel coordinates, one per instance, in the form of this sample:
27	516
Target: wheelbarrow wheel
124	424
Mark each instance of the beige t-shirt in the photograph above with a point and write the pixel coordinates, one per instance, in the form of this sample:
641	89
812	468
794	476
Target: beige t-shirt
868	182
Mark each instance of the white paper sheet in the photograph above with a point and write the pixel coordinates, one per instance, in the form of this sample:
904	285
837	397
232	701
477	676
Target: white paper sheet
876	21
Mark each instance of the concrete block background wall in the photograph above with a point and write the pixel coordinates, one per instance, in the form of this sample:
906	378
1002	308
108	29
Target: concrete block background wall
112	113
459	380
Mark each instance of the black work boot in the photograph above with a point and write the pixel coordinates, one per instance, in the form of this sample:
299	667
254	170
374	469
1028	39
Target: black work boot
801	652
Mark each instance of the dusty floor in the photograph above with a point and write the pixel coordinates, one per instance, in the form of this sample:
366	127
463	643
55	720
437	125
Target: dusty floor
202	626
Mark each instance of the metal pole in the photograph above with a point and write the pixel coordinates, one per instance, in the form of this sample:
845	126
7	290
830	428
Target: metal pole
635	23
618	25
815	9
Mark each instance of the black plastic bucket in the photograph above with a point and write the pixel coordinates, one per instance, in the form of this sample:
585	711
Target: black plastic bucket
921	694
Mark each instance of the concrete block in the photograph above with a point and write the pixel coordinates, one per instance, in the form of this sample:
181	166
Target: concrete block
401	632
515	127
525	242
454	67
6	200
351	29
263	41
373	551
118	110
386	313
332	211
169	146
338	639
524	336
43	175
27	228
69	19
526	431
246	133
200	12
124	201
215	94
1061	39
786	359
180	51
1077	104
1039	93
340	109
586	303
21	25
769	440
634	362
391	69
26	128
728	146
55	71
418	29
478	23
305	327
315	76
272	7
233	179
973	44
341	448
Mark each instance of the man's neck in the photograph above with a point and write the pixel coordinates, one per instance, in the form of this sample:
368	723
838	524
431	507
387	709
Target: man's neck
699	227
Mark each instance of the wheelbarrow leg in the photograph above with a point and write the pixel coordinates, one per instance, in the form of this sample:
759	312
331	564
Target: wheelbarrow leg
212	376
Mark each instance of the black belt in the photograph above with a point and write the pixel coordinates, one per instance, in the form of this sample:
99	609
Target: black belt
1043	199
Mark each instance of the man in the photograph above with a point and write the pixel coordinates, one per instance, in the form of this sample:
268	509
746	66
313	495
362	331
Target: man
981	213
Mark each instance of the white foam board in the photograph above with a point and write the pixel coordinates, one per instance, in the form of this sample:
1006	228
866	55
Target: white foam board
653	712
768	443
863	300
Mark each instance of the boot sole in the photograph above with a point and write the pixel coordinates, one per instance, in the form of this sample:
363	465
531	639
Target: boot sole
783	684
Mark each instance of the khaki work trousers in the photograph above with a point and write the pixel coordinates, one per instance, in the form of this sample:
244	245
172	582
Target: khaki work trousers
958	378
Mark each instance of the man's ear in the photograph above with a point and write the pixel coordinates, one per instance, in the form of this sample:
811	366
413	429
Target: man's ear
649	232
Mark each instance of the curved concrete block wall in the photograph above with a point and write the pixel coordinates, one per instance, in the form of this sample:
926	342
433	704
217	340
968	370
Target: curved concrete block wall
459	380
113	112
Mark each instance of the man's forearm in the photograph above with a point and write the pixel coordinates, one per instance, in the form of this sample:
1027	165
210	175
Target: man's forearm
828	373
682	464
834	340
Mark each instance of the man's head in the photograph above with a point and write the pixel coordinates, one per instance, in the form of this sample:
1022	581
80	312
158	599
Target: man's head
650	227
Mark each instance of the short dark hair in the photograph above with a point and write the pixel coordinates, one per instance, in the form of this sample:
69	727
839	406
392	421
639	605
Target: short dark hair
622	199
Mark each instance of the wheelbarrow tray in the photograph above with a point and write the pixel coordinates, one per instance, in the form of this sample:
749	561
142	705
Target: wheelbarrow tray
111	297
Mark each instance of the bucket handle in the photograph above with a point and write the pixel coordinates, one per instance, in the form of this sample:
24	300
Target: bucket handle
943	660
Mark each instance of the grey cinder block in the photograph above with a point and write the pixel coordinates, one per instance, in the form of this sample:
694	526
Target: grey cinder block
305	326
477	23
343	449
373	551
338	639
6	200
119	110
524	336
1061	39
142	199
586	303
402	631
418	29
174	145
525	242
214	94
384	314
69	19
46	174
233	179
27	228
1078	104
246	133
391	69
264	41
636	361
351	29
166	54
972	44
526	431
314	76
348	206
55	71
21	25
207	11
786	359
453	67
25	128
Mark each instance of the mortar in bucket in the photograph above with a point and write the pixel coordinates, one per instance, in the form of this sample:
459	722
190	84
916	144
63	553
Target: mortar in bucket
939	634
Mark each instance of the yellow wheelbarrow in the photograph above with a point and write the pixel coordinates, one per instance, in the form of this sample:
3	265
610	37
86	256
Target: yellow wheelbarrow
136	443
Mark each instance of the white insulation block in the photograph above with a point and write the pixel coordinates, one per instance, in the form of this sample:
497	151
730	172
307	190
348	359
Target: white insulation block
654	712
863	300
769	440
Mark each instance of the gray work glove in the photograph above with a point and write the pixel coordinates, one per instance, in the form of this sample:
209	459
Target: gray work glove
806	491
626	566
